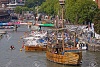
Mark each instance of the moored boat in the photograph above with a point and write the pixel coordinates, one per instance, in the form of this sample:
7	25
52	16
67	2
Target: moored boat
35	43
2	32
71	56
82	45
58	51
34	46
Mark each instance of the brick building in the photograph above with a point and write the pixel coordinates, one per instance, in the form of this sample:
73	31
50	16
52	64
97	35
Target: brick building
3	3
98	2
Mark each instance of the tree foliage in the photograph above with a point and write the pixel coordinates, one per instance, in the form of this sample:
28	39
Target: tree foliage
29	3
33	3
97	22
78	11
50	7
25	8
18	9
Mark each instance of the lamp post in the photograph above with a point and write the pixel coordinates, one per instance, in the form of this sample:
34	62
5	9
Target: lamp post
36	12
62	3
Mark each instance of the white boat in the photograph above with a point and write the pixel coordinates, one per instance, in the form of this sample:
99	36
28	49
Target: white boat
82	45
32	37
2	32
34	45
36	33
35	42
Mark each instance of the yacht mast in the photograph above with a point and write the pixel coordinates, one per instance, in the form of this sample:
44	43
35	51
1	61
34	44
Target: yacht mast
63	29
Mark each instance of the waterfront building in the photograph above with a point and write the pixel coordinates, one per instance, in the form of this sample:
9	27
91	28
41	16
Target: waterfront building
4	16
3	3
98	2
11	4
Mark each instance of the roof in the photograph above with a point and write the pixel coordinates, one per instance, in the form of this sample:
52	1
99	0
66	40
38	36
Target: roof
46	25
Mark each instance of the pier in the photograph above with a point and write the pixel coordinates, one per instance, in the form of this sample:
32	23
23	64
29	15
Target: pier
93	47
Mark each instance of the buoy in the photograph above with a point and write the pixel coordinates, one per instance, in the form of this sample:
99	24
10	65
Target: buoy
20	37
23	46
18	41
20	49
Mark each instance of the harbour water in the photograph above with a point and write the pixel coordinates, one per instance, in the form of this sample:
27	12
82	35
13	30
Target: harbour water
17	58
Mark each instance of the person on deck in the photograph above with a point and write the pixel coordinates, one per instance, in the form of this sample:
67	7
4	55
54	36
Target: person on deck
57	48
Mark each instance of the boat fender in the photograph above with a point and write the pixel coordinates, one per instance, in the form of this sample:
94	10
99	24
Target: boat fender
20	37
18	41
20	49
81	62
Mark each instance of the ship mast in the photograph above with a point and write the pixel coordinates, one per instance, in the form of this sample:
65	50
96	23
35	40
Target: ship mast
62	3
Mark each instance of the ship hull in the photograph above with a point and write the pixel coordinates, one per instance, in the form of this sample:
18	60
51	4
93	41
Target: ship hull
35	48
69	58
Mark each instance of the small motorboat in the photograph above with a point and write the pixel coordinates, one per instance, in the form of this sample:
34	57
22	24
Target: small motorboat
82	45
12	47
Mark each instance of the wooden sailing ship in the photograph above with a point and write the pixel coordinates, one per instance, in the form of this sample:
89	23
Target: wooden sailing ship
60	53
57	51
71	56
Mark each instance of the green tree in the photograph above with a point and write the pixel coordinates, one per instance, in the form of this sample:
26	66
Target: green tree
33	3
50	7
32	9
18	9
78	11
25	8
29	3
97	22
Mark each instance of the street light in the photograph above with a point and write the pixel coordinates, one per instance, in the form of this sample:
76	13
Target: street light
62	3
37	12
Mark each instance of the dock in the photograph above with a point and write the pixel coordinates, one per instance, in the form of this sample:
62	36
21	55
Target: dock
93	47
2	32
